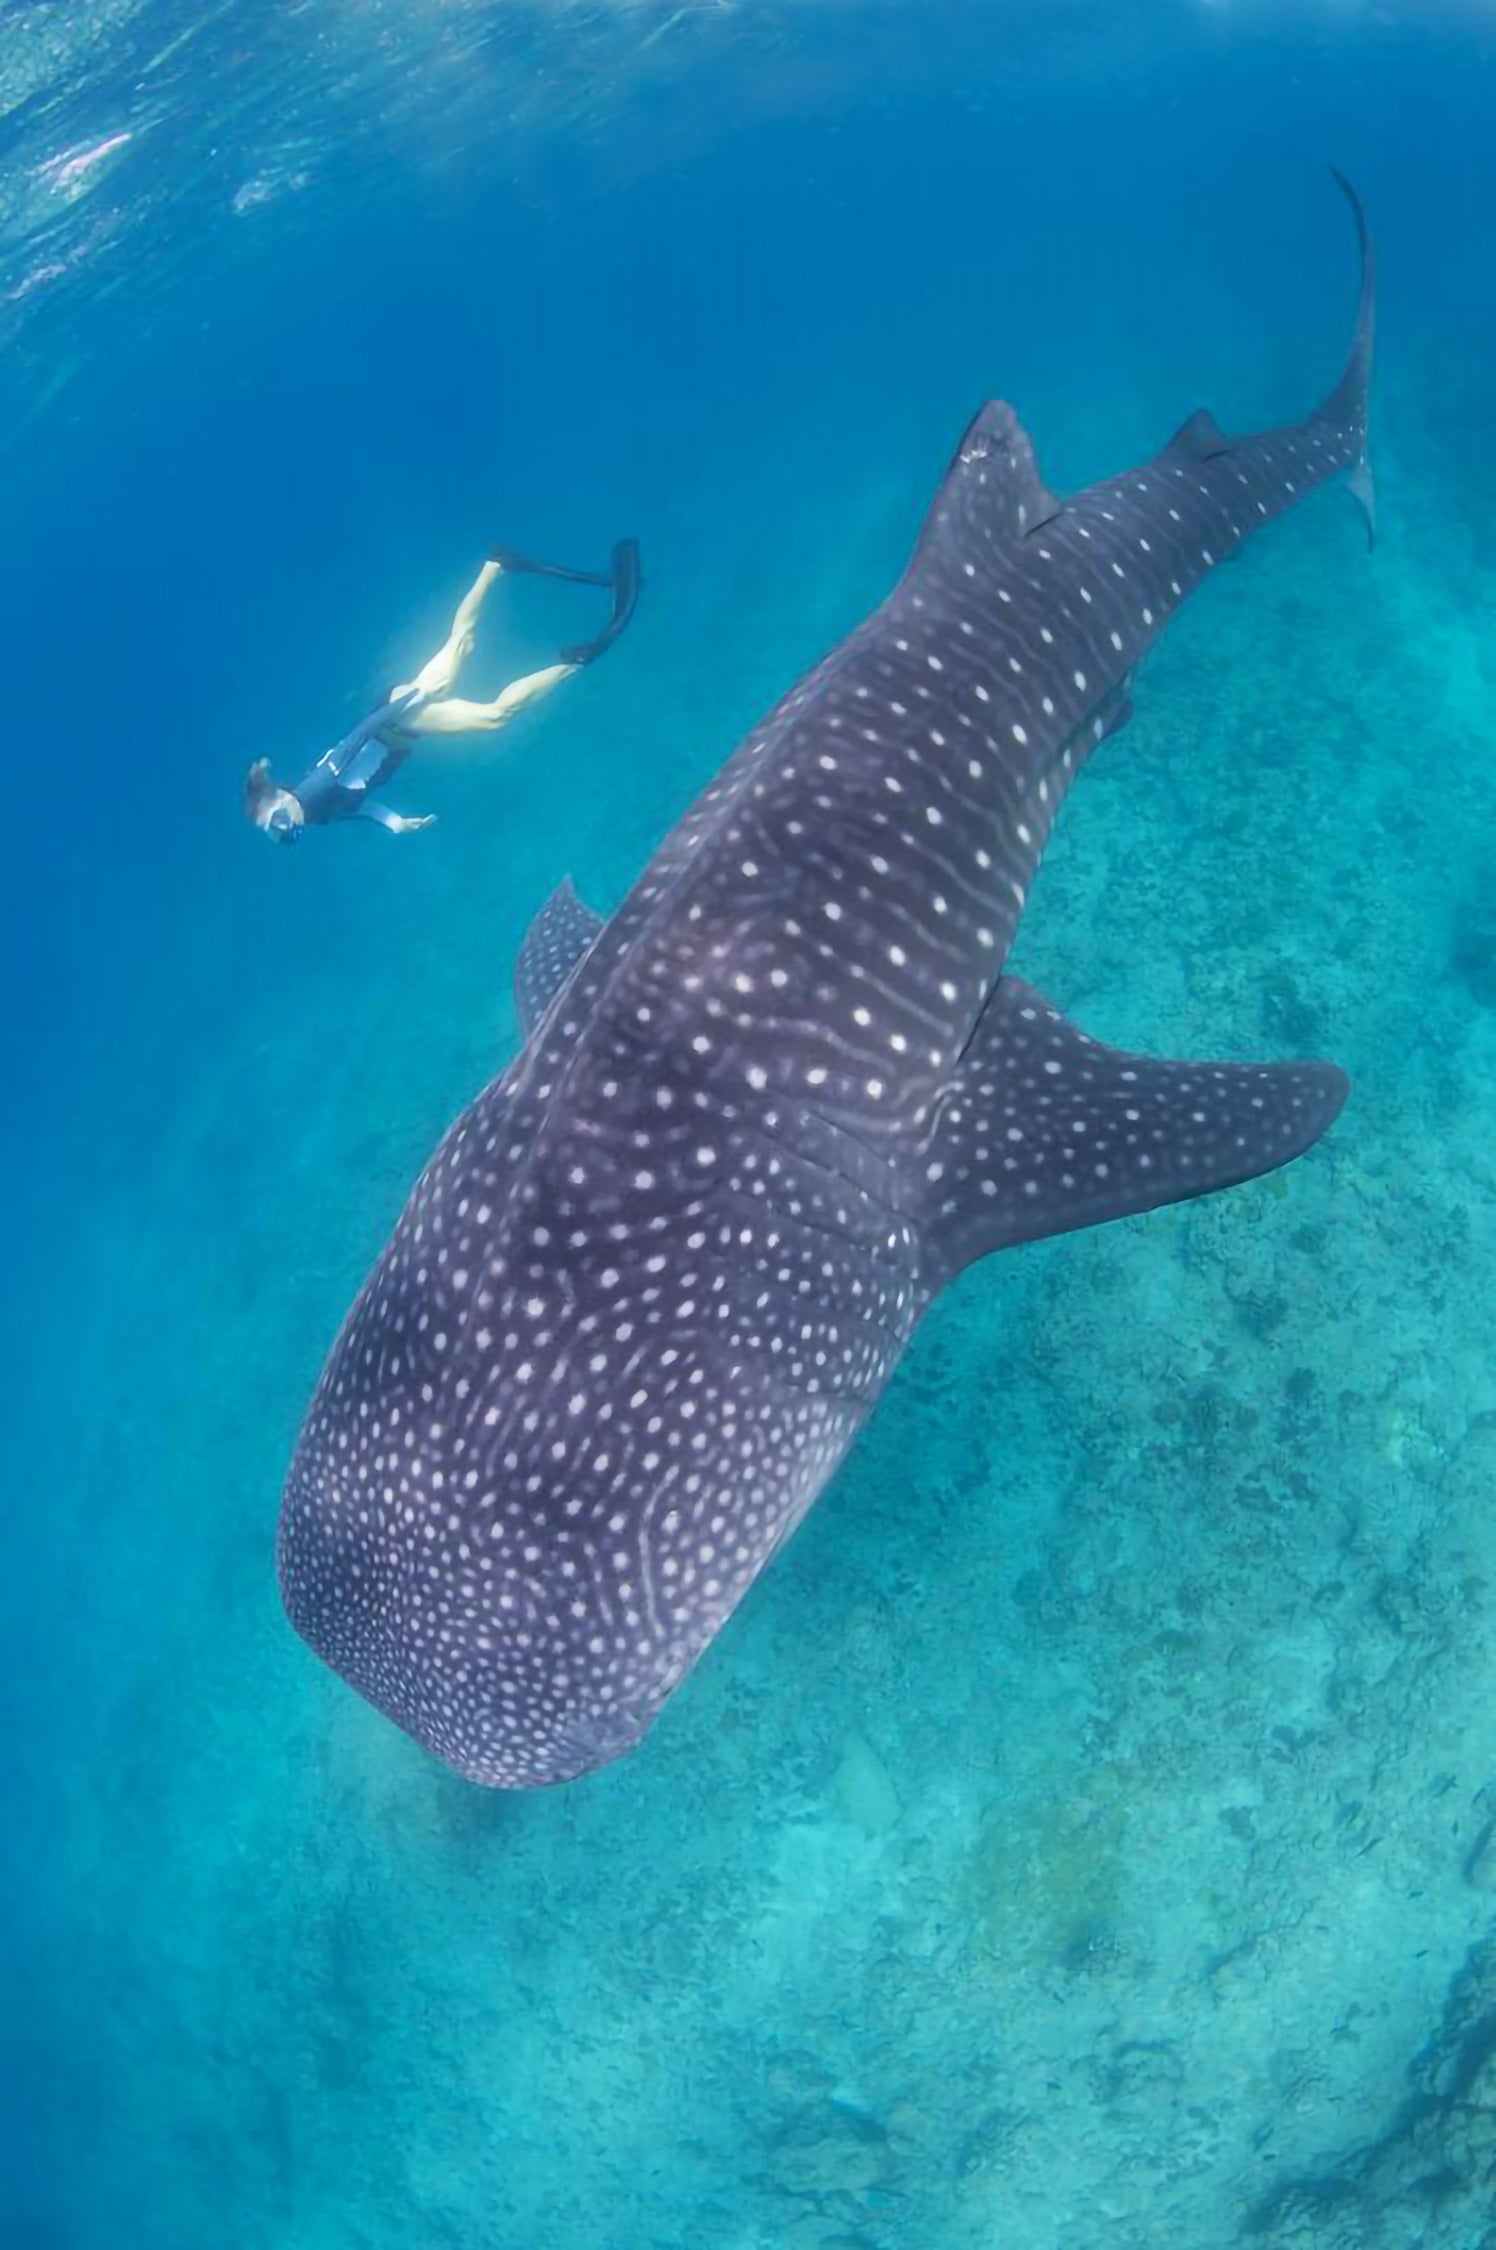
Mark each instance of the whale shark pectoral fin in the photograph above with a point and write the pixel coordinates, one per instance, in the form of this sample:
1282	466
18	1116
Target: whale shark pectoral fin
1109	717
1044	1131
561	933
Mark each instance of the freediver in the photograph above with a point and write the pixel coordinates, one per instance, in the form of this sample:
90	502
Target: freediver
342	785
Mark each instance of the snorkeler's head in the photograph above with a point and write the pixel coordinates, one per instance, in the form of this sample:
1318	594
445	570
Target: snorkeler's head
275	811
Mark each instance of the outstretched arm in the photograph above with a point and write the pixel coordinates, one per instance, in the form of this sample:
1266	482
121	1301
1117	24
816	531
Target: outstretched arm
398	824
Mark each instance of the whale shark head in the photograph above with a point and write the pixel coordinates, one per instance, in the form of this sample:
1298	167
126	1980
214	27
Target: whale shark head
550	1452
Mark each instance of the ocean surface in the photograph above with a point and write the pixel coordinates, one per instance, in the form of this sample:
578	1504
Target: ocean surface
1085	1834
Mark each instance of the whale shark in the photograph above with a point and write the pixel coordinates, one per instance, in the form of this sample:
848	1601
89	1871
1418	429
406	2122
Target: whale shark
652	1282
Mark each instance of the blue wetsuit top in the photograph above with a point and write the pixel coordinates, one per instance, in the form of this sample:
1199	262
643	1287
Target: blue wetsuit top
342	782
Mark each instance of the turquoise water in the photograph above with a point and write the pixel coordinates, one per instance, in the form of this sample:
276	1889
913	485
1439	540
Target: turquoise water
1077	1837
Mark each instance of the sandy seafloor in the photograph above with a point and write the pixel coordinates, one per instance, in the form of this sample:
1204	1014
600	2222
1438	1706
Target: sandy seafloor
1086	1833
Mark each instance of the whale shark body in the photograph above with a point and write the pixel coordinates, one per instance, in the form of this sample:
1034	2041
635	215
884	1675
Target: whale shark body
652	1282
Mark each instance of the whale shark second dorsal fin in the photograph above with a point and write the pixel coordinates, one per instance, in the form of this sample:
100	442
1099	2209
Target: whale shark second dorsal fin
1044	1131
561	933
1201	438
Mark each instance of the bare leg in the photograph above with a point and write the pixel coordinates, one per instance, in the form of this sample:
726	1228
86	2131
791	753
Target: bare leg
453	716
438	676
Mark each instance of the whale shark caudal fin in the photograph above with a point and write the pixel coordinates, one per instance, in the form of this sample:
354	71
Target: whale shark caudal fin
561	933
1045	1130
1339	426
1347	403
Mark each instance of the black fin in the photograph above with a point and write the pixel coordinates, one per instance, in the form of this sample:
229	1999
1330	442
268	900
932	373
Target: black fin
561	933
1045	1130
508	559
625	579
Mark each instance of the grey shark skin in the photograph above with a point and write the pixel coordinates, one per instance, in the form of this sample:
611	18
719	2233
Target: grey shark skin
652	1282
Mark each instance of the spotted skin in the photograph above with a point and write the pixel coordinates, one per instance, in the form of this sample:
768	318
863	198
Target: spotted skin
560	934
655	1277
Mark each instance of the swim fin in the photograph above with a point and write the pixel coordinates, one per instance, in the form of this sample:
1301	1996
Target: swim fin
507	559
625	581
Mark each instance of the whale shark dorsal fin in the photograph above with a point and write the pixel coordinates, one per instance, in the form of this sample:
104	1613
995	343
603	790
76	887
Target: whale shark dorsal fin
1044	1131
992	489
1201	438
561	933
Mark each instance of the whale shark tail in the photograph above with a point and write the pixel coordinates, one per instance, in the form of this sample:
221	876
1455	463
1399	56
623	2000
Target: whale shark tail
1330	443
1346	407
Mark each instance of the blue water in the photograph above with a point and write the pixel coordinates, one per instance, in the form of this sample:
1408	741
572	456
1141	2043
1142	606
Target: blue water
1077	1838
